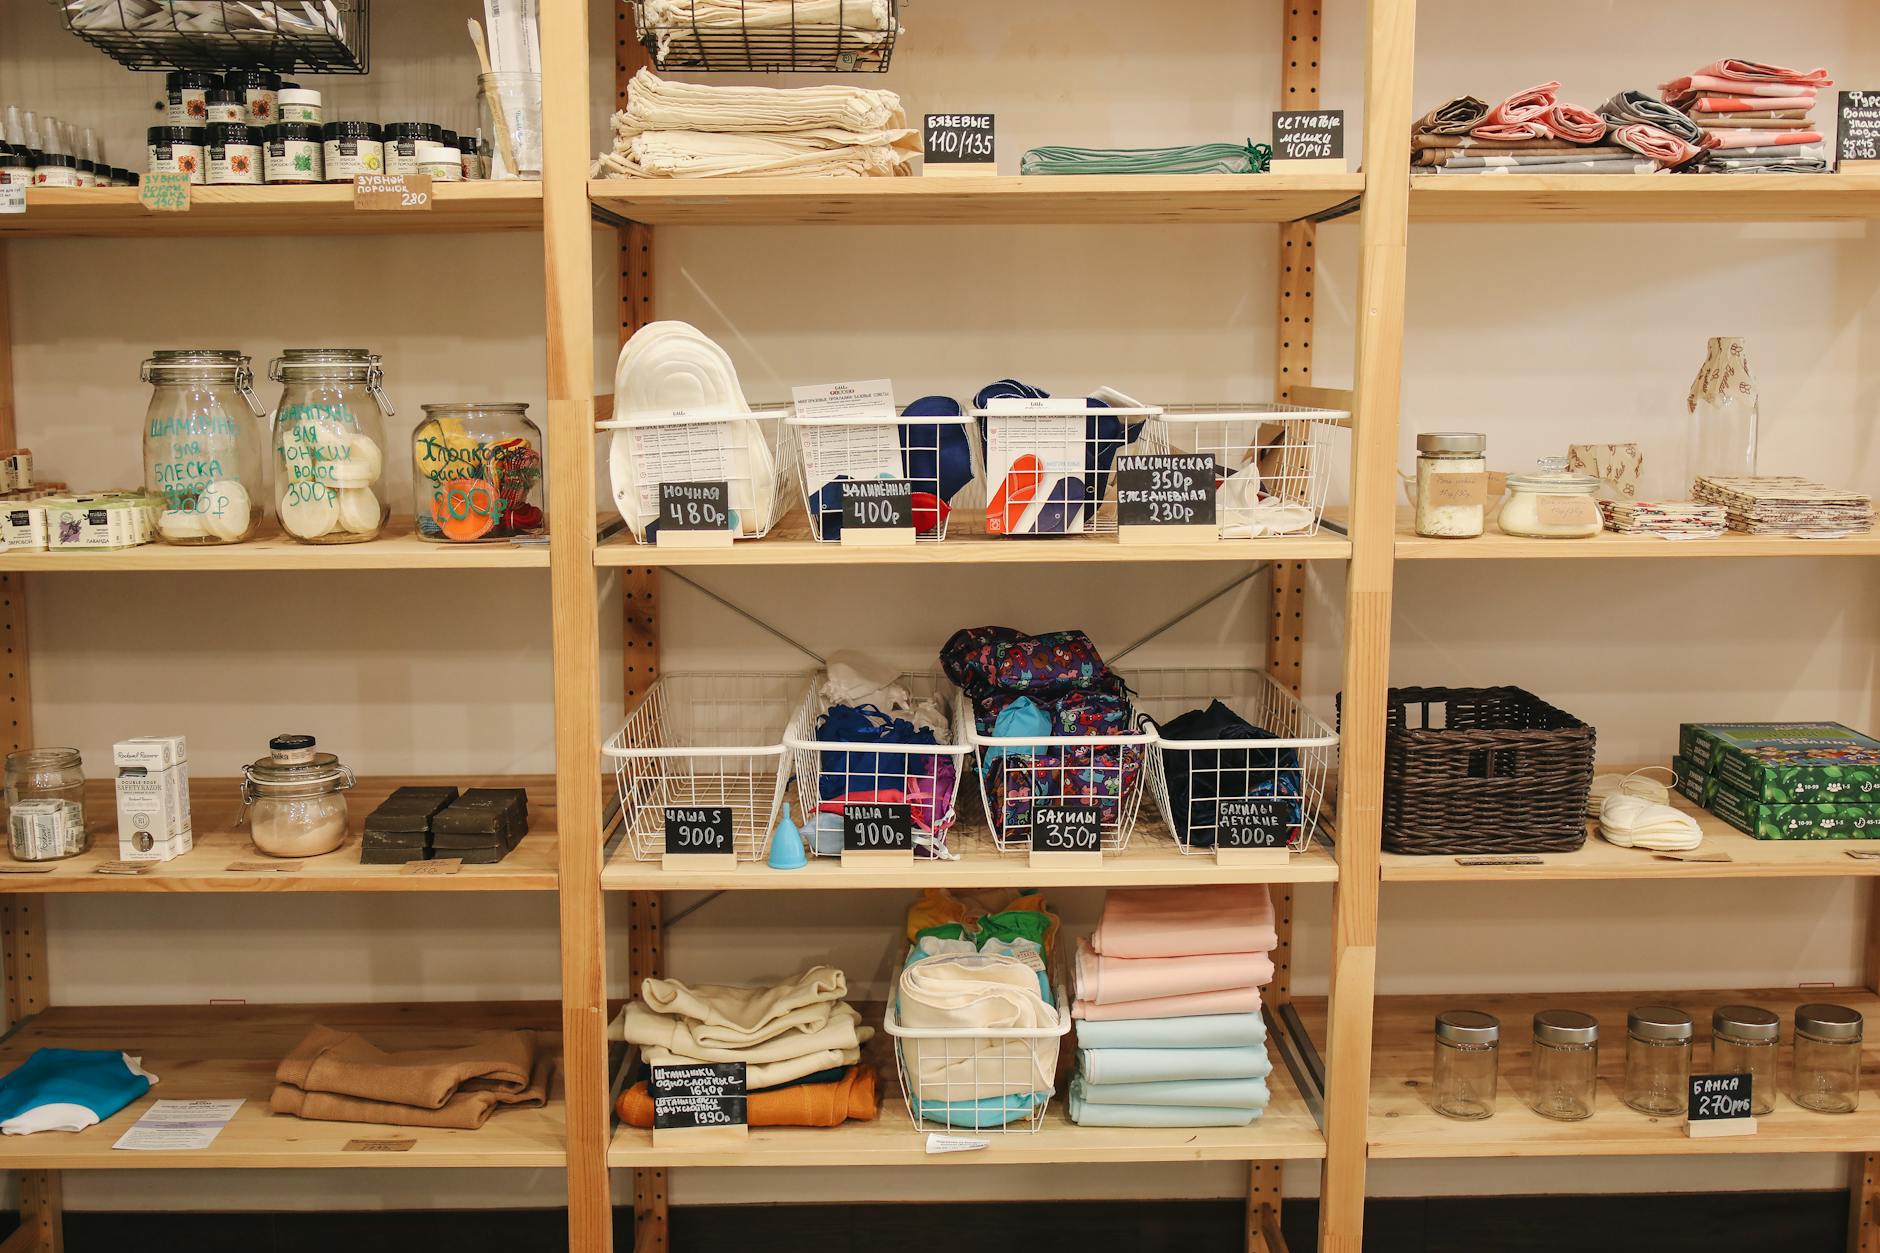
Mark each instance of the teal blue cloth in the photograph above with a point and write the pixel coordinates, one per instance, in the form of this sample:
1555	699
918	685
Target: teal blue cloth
1248	1061
1088	1114
1021	718
988	1111
1201	1031
98	1080
1223	1093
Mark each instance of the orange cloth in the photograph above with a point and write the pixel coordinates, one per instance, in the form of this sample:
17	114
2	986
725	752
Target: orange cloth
804	1105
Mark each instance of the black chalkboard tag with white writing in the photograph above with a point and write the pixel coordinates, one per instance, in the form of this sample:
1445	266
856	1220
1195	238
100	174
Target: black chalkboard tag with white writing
1309	141
959	143
694	515
1857	148
1719	1105
878	512
1253	830
700	835
699	1101
1064	835
1165	499
874	833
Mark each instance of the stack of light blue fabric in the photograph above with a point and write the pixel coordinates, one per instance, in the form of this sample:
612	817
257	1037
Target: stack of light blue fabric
1205	1071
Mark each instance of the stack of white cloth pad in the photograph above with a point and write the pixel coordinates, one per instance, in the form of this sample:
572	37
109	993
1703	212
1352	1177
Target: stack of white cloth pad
685	130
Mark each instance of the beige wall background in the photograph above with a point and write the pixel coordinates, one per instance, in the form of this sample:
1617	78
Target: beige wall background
1537	336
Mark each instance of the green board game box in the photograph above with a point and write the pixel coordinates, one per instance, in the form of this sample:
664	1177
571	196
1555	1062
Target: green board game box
1787	762
1767	821
1695	786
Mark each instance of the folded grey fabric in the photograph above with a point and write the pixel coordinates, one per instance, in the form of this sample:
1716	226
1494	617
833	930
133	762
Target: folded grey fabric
1634	166
1504	160
1629	107
1766	165
1805	151
1453	117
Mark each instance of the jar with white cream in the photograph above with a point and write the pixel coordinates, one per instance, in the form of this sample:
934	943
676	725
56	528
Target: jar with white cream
1452	484
295	798
1552	504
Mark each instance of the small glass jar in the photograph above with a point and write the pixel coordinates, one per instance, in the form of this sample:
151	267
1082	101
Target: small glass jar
1657	1060
56	169
45	795
87	173
350	149
1452	484
439	162
329	433
260	92
1566	1064
401	140
295	799
1744	1040
202	445
176	150
16	169
1468	1054
1827	1058
1552	505
187	96
226	106
476	473
233	155
293	152
300	104
472	157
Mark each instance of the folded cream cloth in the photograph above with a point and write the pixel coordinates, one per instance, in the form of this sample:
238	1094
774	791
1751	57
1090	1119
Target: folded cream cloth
726	1016
767	1074
839	1031
822	153
657	104
674	365
1108	980
1189	1005
1632	822
1182	921
980	996
339	1076
675	21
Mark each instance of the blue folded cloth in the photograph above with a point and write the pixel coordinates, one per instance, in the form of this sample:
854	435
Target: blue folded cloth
1201	1031
1246	1061
938	456
1090	1114
1221	1093
68	1090
989	1111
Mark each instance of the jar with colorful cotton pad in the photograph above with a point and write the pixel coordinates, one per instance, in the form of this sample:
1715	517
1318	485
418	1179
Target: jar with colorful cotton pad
476	473
202	445
329	436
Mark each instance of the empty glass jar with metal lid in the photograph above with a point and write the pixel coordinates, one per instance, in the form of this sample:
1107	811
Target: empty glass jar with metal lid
476	473
1744	1041
1467	1064
1827	1058
202	445
295	798
329	433
1566	1064
45	795
1657	1060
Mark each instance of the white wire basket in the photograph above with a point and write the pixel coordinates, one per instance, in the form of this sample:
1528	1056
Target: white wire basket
830	773
1192	777
925	450
1051	462
705	740
1020	775
977	1078
745	451
1272	462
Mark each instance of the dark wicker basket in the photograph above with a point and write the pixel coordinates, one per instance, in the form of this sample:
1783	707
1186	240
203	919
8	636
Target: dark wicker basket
1483	770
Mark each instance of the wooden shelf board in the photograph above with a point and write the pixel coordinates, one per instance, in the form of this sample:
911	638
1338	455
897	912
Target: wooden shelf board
1681	198
1286	1131
1402	1124
396	548
1607	544
201	1052
1152	859
1007	200
215	804
789	544
326	209
1749	858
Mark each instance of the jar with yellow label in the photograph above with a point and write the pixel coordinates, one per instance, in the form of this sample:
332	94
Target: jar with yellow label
476	473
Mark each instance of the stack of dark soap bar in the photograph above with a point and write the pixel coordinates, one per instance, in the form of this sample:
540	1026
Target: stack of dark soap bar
482	825
399	830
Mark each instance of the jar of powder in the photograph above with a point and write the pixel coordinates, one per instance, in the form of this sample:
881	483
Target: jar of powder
300	104
295	798
186	97
259	91
177	150
1452	484
352	149
1552	504
233	153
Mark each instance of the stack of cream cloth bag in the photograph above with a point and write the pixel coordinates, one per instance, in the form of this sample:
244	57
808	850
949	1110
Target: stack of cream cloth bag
782	1032
976	993
680	23
685	130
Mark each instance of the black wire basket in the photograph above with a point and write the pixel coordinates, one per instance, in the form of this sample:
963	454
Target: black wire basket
317	36
769	36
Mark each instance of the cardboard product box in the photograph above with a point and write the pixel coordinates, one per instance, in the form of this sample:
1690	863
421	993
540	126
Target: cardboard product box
1766	820
154	821
1693	784
1797	763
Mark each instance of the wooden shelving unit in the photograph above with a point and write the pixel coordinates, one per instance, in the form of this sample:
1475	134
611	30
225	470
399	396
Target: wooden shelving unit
1667	198
396	548
1607	545
97	212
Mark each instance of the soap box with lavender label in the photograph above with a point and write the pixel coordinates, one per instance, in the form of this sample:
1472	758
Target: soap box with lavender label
1787	762
1767	820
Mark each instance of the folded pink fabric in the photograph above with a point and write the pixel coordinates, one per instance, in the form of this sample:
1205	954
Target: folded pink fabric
1108	980
1655	142
1570	121
1758	139
1512	132
1523	106
1232	1001
1184	921
1698	84
1749	104
1756	72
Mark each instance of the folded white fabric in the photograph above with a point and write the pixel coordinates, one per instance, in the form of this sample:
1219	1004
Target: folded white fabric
657	104
978	996
824	153
839	1032
855	679
723	1016
1633	822
674	21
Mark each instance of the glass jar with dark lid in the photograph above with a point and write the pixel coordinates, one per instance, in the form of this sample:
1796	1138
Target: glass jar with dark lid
1566	1064
1657	1060
187	96
1466	1065
56	169
1744	1040
15	168
226	106
1827	1058
295	800
401	144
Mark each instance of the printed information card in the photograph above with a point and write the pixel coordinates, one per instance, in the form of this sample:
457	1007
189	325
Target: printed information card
179	1125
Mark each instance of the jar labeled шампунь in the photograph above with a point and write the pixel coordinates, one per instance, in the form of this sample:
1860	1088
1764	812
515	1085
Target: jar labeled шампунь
1558	505
1566	1064
1657	1060
329	430
1452	484
1827	1058
202	445
45	795
1467	1064
295	799
1744	1040
476	473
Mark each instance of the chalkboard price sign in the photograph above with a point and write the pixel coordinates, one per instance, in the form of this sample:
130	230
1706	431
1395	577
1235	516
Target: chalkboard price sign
1253	822
877	505
877	829
1860	127
1066	829
694	831
1174	490
959	139
700	1097
1315	135
1719	1105
694	506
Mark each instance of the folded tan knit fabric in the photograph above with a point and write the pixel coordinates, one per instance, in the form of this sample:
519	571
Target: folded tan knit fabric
339	1076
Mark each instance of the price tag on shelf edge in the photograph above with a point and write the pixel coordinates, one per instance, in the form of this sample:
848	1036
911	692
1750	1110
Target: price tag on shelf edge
390	193
1253	822
959	143
12	197
877	505
872	828
700	831
697	506
166	191
702	1097
1066	829
1164	492
1308	141
1719	1105
1857	146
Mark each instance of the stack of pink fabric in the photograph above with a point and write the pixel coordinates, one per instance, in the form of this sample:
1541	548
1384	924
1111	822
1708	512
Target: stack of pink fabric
1177	953
1530	132
1755	117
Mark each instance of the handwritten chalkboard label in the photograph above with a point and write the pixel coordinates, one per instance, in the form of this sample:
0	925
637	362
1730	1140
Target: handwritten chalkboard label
1173	490
687	1098
1253	822
1066	829
693	831
877	505
877	829
1719	1105
1309	135
694	506
959	139
1860	127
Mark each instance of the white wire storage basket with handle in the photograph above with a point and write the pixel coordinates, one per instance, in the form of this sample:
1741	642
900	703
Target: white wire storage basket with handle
1021	774
977	1078
833	773
1051	461
1272	462
745	451
1192	777
709	741
938	455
